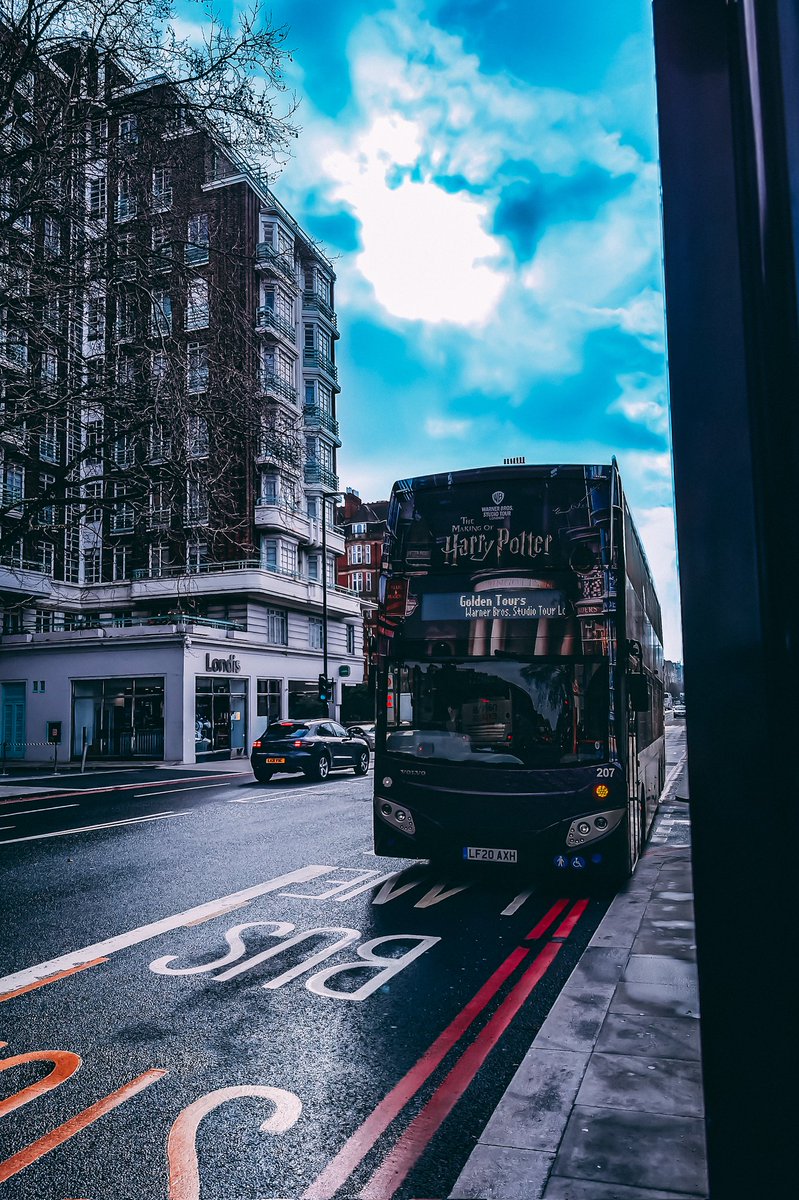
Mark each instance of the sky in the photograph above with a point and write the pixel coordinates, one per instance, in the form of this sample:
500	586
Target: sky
484	178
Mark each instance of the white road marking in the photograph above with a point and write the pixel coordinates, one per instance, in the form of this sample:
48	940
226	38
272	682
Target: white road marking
26	812
516	903
35	837
166	791
155	928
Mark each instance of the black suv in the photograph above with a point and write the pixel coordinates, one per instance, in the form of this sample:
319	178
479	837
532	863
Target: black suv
314	747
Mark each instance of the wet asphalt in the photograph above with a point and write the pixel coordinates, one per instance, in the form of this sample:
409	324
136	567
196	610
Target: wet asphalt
184	1010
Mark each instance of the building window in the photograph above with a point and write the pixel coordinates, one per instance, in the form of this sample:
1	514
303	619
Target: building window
96	197
268	699
158	559
160	448
196	556
197	371
46	515
358	527
197	240
126	199
95	319
93	566
315	633
94	441
46	557
162	189
361	553
350	639
52	237
197	306
288	558
128	130
198	436
196	502
269	553
120	562
94	506
277	633
313	567
161	313
13	485
98	133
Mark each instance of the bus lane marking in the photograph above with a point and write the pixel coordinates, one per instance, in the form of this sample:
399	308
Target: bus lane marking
359	1143
184	1174
385	966
27	812
62	1133
65	1064
30	987
144	933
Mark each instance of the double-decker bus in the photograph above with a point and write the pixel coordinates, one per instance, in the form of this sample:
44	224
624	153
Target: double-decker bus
520	672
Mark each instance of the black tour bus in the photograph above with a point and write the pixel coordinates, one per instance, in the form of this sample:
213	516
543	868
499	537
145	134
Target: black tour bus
520	672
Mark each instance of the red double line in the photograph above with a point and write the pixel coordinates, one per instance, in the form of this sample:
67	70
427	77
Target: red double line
412	1143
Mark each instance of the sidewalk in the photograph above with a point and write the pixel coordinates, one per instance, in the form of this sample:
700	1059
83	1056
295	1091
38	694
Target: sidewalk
608	1104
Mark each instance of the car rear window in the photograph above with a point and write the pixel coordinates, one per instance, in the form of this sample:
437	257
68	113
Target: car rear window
286	729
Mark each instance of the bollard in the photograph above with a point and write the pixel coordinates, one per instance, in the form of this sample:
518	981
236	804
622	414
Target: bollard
84	748
5	747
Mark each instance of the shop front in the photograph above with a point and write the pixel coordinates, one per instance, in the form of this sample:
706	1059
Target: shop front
118	718
220	717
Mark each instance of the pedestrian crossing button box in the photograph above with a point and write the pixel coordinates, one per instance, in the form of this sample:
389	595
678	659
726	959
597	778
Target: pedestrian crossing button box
54	732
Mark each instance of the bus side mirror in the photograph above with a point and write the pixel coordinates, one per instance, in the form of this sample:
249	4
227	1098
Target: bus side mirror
638	691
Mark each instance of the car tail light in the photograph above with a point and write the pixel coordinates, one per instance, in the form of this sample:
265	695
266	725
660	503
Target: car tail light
298	742
256	745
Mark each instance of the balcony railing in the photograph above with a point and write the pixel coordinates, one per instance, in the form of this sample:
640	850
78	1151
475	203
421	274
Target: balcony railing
276	385
316	473
11	499
313	358
205	568
160	261
267	318
318	418
313	302
267	255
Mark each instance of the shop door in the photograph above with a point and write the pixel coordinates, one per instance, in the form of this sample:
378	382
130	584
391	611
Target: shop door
12	720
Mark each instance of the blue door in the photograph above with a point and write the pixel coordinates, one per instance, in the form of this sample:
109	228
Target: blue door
12	719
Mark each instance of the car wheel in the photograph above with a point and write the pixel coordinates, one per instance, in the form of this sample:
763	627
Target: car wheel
262	774
322	768
362	765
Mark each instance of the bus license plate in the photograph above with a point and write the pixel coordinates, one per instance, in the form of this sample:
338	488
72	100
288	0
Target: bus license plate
489	854
276	760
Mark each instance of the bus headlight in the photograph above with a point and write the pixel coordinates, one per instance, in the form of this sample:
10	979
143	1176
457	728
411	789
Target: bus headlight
594	825
397	816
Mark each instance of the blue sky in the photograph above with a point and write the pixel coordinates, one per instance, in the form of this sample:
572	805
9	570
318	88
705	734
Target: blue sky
484	177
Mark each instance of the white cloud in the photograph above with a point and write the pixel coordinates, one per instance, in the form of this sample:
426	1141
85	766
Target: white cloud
642	402
449	427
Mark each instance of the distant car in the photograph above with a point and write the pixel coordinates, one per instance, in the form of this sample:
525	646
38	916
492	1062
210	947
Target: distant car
367	732
678	710
314	747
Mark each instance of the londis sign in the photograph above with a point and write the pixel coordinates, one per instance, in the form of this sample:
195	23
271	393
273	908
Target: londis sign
228	666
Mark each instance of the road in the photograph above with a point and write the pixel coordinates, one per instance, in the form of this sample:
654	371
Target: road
211	988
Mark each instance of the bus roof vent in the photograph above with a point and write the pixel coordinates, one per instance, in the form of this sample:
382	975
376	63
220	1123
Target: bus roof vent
518	461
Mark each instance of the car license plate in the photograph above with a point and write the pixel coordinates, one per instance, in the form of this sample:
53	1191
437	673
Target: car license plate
489	854
276	760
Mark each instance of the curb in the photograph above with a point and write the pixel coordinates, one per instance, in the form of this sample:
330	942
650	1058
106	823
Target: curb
517	1149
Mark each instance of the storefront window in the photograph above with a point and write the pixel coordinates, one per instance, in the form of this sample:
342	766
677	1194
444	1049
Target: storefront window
119	718
268	701
220	718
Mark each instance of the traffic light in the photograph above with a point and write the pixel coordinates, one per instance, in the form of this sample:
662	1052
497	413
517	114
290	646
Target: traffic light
325	689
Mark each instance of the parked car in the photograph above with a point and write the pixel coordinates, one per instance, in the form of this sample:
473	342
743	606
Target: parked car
678	711
367	732
314	747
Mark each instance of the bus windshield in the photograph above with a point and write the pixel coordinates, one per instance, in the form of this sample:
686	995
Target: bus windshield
499	713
